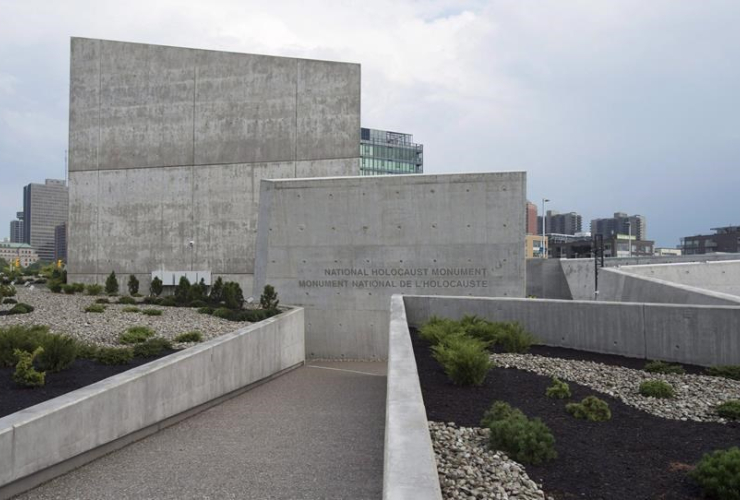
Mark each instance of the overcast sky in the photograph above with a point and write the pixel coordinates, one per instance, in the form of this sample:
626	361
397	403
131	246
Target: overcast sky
627	106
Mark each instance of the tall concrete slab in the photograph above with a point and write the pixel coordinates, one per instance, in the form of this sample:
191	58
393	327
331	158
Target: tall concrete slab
341	247
169	145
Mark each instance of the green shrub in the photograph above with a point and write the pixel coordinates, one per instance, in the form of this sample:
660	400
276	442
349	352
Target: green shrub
94	289
558	389
95	308
233	296
135	335
663	367
217	292
78	287
59	352
198	293
464	359
590	408
25	375
194	336
182	291
69	289
528	441
9	300
114	355
167	302
86	350
499	410
151	347
152	312
718	474
54	287
205	310
24	338
129	301
255	315
223	313
198	303
21	308
111	284
656	389
102	300
7	291
268	299
156	287
726	371
133	285
131	309
483	330
729	409
513	337
437	330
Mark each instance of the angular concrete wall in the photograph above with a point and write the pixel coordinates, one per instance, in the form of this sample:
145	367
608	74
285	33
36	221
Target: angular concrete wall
718	276
168	145
341	247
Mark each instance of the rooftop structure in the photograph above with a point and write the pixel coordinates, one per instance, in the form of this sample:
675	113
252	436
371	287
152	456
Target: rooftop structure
383	152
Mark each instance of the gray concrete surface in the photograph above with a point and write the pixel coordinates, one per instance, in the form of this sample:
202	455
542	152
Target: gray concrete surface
168	145
717	276
57	430
313	433
701	335
410	467
340	247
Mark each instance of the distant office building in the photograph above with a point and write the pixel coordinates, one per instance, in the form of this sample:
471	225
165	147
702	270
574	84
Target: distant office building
45	206
617	245
384	153
725	239
532	218
557	223
533	246
621	223
664	251
16	229
22	251
60	242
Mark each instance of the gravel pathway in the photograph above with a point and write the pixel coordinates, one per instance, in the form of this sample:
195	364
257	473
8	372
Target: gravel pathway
469	470
65	314
696	395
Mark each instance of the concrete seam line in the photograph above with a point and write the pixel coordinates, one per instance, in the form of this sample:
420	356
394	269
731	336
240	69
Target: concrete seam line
343	370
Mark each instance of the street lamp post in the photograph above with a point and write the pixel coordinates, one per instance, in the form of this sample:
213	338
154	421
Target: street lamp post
544	250
629	238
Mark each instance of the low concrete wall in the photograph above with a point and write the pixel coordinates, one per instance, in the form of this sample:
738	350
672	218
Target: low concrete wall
60	429
720	276
701	335
546	280
410	468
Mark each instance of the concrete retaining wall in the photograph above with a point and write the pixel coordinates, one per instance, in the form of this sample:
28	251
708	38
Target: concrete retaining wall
410	468
719	276
63	428
701	335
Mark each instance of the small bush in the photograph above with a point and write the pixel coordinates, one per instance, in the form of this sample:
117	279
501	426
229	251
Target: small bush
223	313
114	355
513	337
182	291
156	287
500	410
437	330
590	408
87	350
152	312
54	287
78	287
102	300
189	337
131	309
233	296
135	335
254	315
465	360
558	389
528	441
21	308
129	301
111	284
268	299
167	302
483	330
94	289
24	338
95	308
718	474
663	367
217	292
729	409
726	371
152	347
198	293
60	351
25	375
7	291
133	285
9	300
656	389
68	289
205	310
198	303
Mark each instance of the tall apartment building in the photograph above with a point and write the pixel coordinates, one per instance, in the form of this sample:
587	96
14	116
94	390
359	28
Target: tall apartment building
532	218
60	242
621	223
16	229
557	223
45	206
383	152
725	239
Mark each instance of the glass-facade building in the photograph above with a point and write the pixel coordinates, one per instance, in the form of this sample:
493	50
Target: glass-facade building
384	153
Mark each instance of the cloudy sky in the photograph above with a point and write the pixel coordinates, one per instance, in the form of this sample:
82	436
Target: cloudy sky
609	106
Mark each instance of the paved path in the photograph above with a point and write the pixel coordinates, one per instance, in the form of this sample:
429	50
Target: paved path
314	433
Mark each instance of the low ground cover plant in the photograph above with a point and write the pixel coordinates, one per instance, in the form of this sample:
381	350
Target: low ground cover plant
590	408
194	336
21	308
9	300
152	312
129	301
558	389
656	389
102	300
114	355
136	335
503	335
465	360
94	289
663	367
95	308
729	409
526	440
131	309
718	474
25	374
726	371
152	347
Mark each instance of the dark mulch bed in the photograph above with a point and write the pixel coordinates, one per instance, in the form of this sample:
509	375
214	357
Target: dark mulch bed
633	456
82	372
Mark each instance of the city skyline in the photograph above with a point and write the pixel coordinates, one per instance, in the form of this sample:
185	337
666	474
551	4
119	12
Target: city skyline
608	108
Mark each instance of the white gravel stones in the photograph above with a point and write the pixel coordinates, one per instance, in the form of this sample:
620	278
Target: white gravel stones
696	395
469	470
65	314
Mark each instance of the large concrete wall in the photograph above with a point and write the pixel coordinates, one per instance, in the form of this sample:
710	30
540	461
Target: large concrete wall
168	145
397	234
718	276
701	335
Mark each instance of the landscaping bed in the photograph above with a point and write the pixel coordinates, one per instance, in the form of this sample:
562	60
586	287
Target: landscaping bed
634	455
